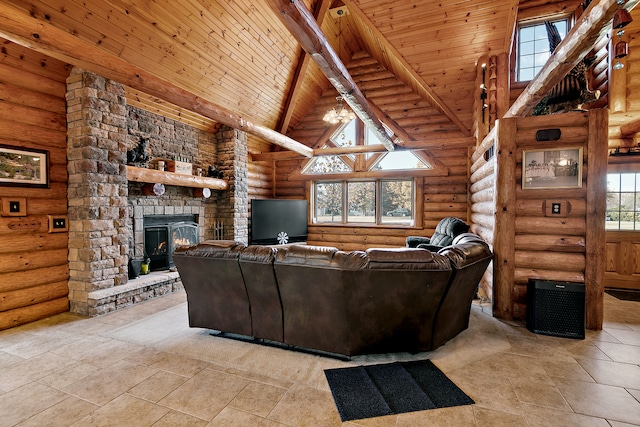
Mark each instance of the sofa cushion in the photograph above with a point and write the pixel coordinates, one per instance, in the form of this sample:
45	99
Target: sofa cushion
259	254
406	258
307	255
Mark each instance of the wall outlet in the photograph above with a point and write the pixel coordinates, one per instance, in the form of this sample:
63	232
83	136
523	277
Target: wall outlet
559	208
58	223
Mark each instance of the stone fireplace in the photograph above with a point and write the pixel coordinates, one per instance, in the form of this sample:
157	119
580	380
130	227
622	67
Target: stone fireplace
107	213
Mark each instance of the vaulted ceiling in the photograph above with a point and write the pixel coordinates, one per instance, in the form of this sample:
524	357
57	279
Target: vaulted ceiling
414	60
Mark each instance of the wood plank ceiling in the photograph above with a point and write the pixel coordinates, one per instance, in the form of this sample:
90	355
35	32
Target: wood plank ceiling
238	54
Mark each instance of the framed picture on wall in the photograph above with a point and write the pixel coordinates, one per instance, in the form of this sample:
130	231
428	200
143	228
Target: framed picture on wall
552	168
24	167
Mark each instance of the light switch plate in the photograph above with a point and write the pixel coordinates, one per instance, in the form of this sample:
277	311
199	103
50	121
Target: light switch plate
58	223
14	206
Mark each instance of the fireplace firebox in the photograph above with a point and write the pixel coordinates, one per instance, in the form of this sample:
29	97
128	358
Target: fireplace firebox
164	233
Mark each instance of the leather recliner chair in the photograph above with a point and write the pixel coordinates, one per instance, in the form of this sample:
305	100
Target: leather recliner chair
446	230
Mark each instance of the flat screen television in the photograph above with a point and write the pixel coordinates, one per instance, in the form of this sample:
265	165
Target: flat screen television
278	221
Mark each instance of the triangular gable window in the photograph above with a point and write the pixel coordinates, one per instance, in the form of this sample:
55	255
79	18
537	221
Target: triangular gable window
326	164
345	136
393	160
400	160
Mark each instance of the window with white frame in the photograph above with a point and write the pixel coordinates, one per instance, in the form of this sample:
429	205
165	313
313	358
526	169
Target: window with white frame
623	201
380	201
533	47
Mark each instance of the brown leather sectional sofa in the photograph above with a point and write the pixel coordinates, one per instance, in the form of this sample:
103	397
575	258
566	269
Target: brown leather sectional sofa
327	300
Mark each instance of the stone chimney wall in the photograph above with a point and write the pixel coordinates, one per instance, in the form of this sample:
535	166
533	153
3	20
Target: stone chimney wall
233	205
97	193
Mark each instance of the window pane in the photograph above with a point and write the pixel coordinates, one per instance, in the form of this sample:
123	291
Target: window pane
627	202
346	136
361	201
628	182
526	48
541	59
526	34
542	47
527	74
613	202
328	202
326	164
613	182
398	160
397	201
627	220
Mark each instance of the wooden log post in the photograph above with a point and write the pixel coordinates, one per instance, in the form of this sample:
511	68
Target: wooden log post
596	209
504	231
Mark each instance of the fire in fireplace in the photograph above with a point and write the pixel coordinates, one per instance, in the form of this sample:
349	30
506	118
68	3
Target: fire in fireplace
164	233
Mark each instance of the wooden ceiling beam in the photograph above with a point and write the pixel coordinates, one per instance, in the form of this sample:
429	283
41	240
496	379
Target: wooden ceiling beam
594	22
39	35
360	149
300	22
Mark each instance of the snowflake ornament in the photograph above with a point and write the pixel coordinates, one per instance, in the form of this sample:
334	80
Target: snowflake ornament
283	238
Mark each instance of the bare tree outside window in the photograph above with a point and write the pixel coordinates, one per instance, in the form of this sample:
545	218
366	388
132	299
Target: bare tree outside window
328	203
361	201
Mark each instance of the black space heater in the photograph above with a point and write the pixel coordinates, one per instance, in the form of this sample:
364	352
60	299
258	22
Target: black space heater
556	308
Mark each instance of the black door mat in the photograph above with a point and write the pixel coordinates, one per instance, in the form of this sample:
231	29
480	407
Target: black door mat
392	388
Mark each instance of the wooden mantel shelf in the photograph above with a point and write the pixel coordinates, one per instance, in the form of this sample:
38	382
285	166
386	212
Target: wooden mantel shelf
154	176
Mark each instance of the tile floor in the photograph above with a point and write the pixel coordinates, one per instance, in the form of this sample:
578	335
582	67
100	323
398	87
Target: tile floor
143	366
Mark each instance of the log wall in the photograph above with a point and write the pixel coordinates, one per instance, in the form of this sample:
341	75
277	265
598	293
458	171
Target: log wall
528	241
482	205
33	262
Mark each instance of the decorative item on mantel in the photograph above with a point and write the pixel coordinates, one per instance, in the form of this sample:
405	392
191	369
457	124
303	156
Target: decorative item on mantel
202	193
180	165
156	189
137	156
214	172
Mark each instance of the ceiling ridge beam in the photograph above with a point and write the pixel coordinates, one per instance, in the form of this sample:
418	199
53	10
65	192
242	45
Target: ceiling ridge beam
20	27
416	83
300	22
